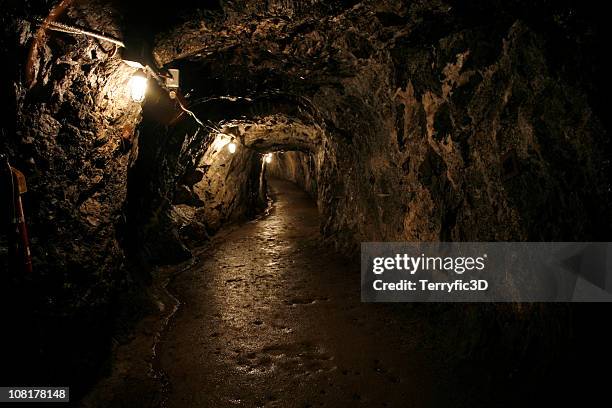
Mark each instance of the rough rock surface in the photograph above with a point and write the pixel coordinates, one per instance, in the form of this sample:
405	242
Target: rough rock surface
437	124
70	128
423	120
73	138
230	188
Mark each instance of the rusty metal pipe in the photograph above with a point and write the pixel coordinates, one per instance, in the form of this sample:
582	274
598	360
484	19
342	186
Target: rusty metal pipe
54	14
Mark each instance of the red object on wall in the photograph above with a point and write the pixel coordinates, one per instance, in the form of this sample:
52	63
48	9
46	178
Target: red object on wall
20	239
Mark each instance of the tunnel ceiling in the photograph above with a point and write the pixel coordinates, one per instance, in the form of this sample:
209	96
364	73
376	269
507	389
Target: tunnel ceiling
294	62
266	122
270	49
283	57
251	62
277	132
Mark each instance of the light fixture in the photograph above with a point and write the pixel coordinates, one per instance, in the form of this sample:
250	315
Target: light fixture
222	140
268	158
232	147
138	86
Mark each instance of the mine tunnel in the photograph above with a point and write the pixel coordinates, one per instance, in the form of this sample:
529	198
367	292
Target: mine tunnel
187	188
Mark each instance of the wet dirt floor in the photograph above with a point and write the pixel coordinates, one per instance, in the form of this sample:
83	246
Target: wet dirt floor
272	317
269	315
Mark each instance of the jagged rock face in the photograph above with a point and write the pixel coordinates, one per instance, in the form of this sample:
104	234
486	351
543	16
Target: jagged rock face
72	138
493	154
439	121
70	128
223	188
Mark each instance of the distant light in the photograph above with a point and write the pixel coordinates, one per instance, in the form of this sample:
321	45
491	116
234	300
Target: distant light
138	86
232	147
268	158
221	140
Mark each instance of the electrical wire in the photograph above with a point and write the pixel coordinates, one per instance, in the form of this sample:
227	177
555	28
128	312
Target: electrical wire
190	113
65	28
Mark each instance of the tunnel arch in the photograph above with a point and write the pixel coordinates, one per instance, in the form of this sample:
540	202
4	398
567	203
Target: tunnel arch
185	184
276	133
268	122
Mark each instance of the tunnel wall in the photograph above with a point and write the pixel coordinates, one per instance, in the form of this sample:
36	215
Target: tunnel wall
184	186
486	138
221	188
441	120
475	143
297	167
72	135
69	126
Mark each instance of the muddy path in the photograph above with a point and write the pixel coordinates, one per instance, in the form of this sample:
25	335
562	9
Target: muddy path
268	315
272	317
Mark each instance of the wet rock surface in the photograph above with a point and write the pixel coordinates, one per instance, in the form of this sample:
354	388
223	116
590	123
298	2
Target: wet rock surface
269	315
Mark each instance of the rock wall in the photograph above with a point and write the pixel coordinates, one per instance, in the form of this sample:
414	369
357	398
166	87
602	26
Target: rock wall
73	139
493	156
440	120
470	148
222	188
70	128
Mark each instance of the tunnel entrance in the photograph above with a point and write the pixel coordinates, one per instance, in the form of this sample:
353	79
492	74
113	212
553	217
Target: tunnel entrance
296	166
195	174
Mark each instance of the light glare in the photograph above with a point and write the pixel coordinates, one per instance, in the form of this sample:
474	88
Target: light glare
138	87
231	147
268	158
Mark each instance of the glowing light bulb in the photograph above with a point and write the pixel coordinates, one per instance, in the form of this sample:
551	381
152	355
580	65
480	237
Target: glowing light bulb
138	86
268	158
232	147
